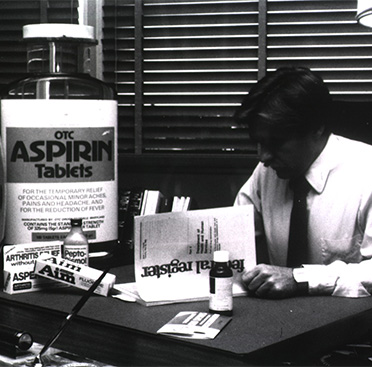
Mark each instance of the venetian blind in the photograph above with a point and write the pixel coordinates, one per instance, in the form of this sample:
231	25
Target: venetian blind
182	67
196	61
324	36
14	14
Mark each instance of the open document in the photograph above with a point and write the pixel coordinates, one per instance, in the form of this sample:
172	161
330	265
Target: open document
174	252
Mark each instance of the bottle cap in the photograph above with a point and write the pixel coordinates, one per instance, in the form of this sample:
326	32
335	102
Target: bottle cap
221	256
59	30
76	222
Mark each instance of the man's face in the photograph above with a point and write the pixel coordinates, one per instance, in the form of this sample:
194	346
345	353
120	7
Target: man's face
289	155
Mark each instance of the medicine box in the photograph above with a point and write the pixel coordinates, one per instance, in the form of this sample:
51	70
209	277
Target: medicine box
73	274
19	262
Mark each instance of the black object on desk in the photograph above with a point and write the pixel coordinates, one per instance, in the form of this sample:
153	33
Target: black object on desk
14	341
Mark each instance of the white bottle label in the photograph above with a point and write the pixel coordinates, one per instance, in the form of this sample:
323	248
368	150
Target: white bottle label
76	253
60	163
222	298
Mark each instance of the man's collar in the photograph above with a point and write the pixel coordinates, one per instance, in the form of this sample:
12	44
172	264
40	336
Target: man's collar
318	172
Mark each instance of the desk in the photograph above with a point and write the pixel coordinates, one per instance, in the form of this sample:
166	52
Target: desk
261	332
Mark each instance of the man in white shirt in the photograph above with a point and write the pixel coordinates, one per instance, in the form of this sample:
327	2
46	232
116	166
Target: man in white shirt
287	115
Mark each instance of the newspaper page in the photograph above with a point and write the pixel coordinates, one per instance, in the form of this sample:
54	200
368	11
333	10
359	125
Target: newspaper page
174	251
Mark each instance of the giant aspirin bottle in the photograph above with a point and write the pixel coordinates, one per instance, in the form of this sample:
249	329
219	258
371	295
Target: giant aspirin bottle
59	131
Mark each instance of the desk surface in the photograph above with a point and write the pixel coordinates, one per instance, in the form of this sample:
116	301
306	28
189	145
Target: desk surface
276	329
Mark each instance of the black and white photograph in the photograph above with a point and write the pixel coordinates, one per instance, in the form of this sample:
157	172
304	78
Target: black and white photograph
185	183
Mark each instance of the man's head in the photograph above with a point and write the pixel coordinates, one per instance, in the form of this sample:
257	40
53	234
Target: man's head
286	113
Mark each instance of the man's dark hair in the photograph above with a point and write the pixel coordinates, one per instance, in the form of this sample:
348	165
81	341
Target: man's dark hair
293	100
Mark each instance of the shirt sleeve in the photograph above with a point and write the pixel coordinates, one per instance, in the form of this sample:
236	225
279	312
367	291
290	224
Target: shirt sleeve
247	195
250	194
337	279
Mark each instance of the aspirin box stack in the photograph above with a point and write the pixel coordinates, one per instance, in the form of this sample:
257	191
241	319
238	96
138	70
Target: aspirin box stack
19	262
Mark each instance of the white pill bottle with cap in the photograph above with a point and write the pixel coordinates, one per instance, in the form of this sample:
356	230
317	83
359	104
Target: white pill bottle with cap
220	285
59	132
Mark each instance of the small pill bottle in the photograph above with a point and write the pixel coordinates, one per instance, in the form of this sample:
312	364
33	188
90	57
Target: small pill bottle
220	285
59	132
76	245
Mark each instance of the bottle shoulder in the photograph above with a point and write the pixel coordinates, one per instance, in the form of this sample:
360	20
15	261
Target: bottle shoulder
76	237
58	86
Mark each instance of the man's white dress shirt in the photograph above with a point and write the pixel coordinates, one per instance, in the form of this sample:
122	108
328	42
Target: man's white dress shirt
340	218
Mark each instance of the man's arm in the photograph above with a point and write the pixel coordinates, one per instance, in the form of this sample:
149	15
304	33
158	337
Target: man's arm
269	281
337	279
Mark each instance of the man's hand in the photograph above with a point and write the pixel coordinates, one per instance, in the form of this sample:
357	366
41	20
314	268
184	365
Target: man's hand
268	281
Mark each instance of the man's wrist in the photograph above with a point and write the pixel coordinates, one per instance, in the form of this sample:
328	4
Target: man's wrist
301	281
